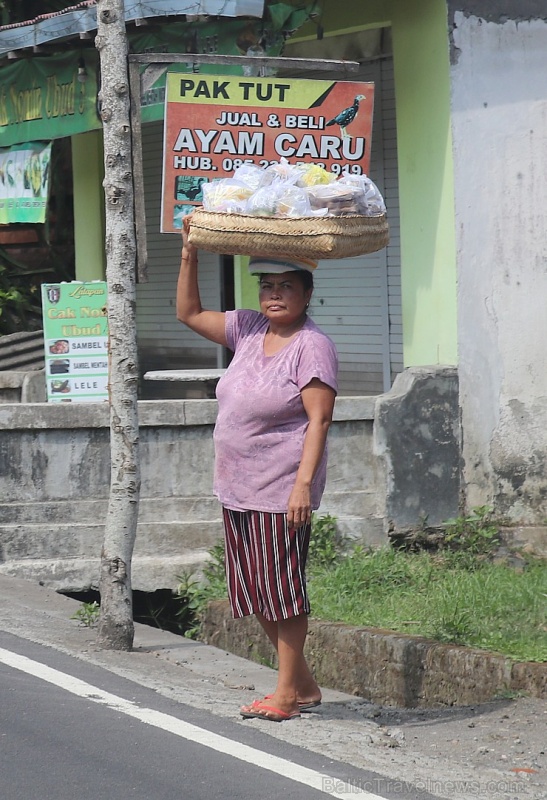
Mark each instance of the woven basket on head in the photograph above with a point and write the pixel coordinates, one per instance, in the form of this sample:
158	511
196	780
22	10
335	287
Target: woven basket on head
296	237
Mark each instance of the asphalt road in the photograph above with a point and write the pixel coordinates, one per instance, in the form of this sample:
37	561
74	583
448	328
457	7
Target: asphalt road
162	722
69	729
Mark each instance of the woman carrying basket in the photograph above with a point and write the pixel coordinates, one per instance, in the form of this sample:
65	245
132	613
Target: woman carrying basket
275	405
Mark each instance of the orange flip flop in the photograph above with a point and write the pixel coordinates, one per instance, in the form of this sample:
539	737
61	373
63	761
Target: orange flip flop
272	714
302	705
308	706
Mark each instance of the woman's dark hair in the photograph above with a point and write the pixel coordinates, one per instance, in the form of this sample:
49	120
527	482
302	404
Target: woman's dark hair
305	278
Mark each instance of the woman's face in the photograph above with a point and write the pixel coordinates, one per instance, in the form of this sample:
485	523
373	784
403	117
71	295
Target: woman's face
283	298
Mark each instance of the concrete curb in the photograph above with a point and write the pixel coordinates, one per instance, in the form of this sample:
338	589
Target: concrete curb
385	667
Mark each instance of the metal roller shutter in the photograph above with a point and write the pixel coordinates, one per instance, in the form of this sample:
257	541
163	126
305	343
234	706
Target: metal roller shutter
163	342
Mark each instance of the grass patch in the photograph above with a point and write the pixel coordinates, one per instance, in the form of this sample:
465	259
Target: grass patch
455	595
492	606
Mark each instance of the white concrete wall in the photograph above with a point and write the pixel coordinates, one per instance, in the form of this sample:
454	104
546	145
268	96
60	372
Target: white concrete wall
55	473
54	484
499	97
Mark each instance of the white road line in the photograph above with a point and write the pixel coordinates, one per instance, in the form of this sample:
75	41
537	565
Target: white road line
315	780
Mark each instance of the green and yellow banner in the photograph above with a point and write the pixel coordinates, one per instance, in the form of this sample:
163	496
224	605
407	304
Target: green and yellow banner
48	98
24	182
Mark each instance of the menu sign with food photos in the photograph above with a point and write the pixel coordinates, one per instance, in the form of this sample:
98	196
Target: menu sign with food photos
76	341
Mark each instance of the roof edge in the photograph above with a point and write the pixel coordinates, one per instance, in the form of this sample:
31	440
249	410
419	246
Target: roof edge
82	18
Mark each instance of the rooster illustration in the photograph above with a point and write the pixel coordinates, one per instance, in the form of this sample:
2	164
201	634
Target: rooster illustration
346	117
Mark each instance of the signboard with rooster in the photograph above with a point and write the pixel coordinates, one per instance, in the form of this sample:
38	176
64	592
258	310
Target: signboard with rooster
215	124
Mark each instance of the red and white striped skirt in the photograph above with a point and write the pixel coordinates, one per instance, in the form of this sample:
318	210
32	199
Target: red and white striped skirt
265	564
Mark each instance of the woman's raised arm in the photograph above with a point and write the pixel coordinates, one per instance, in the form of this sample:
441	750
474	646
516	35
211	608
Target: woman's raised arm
209	324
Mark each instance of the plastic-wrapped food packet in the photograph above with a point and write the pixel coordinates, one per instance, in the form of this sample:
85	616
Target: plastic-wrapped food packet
293	202
262	203
373	202
314	175
354	194
336	199
226	195
250	175
279	199
288	173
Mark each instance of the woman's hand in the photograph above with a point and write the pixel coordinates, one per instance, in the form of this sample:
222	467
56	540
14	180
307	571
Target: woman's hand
299	511
188	249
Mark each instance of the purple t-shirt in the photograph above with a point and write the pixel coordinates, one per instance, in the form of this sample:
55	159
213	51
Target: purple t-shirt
261	422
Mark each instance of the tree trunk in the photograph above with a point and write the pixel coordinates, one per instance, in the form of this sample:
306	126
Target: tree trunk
116	629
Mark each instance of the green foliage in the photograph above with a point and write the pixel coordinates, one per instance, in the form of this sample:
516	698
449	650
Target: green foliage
472	537
8	296
492	606
20	308
326	543
508	694
199	593
88	614
455	595
450	623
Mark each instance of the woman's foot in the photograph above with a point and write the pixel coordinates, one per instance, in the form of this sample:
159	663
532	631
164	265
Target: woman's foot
308	694
268	710
308	705
304	703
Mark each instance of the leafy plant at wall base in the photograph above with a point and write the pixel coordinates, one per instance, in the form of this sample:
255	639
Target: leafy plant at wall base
473	536
168	611
326	543
200	592
88	614
454	626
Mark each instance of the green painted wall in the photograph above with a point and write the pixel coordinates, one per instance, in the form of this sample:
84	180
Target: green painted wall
426	188
89	233
245	285
422	86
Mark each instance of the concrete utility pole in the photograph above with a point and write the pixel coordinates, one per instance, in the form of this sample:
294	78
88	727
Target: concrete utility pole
116	629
